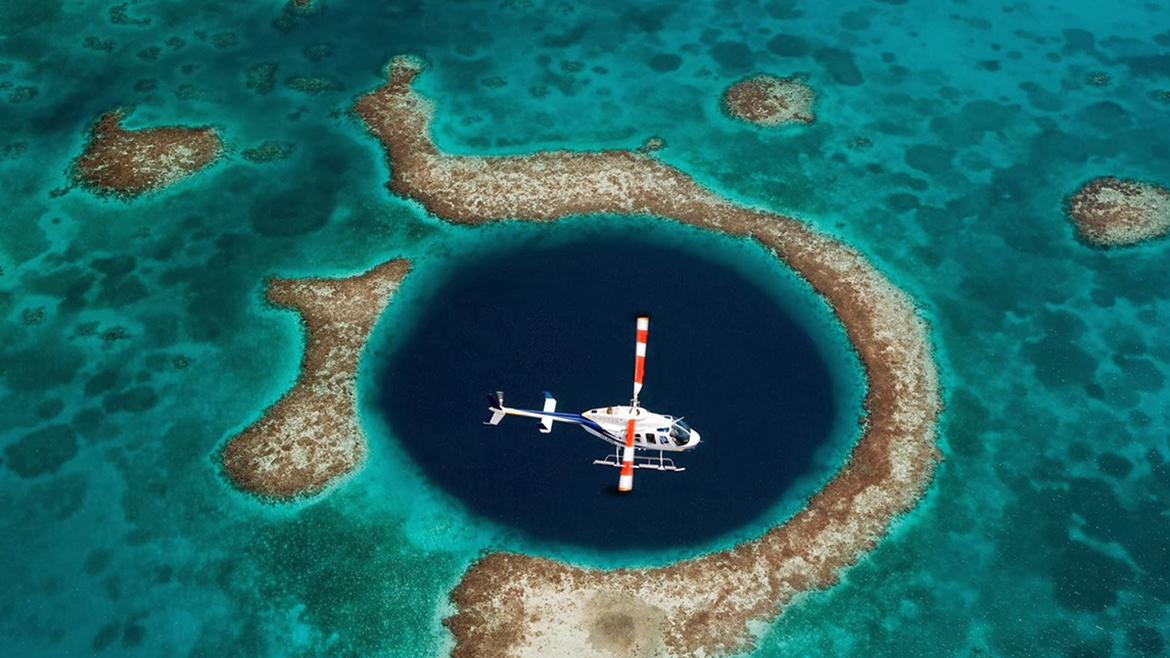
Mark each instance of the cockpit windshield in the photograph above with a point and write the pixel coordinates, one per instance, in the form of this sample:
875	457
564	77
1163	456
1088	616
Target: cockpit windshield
680	433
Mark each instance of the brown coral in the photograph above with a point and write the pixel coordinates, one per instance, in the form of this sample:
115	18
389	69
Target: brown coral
1117	212
769	100
312	436
127	163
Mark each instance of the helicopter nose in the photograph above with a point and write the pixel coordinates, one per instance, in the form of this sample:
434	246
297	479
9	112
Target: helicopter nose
694	439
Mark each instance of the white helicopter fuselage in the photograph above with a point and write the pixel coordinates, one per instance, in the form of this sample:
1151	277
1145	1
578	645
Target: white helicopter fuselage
651	431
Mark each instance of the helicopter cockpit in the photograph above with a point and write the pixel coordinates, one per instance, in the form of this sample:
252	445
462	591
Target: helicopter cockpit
680	433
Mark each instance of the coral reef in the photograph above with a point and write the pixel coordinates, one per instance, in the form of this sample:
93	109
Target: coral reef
127	163
312	436
261	77
518	605
313	84
268	151
769	100
1113	212
652	144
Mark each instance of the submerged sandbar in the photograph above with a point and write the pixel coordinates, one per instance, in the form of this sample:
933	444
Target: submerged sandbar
127	163
518	605
312	436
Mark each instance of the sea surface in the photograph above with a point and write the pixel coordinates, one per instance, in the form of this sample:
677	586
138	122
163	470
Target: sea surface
742	350
135	338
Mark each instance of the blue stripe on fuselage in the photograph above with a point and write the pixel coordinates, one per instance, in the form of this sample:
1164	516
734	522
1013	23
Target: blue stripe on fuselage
573	418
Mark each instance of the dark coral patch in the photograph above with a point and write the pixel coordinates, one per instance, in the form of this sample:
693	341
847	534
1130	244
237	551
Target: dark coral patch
902	202
286	214
1095	501
135	400
101	382
787	45
733	56
1114	465
840	65
133	635
1078	39
321	563
968	421
1149	66
122	291
783	9
97	561
43	451
1145	641
50	408
106	635
1060	363
1142	373
1087	579
23	15
929	158
35	369
1107	116
855	20
987	116
88	422
114	265
665	62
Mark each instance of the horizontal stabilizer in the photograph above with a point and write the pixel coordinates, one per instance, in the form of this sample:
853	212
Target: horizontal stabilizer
550	406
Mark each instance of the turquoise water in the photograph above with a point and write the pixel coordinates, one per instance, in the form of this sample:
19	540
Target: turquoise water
135	339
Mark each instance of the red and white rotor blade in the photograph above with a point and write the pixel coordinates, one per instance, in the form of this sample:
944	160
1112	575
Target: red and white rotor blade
640	356
626	480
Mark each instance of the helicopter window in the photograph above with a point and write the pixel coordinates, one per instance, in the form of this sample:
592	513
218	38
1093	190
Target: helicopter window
662	440
638	438
649	437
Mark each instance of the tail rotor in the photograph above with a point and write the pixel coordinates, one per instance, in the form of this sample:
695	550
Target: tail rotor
496	406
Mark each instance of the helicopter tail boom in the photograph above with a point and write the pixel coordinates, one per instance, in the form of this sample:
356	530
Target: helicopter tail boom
545	417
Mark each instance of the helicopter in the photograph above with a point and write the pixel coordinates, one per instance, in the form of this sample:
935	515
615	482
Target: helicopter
630	428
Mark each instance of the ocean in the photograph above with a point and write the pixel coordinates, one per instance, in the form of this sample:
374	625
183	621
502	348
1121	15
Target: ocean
137	340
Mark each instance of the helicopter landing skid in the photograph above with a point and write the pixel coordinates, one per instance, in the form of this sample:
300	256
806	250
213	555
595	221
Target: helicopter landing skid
659	463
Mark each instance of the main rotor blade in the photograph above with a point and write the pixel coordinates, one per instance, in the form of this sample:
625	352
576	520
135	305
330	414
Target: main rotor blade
626	480
640	355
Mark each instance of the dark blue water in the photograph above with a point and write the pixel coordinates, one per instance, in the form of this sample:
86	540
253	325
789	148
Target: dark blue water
722	353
